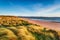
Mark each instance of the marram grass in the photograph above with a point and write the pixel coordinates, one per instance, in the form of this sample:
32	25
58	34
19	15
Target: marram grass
14	28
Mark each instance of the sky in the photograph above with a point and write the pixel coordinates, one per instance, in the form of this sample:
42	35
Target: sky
44	8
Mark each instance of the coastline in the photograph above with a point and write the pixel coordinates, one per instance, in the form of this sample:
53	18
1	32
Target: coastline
46	24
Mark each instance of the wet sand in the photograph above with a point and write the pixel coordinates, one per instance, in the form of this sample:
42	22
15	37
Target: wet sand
46	24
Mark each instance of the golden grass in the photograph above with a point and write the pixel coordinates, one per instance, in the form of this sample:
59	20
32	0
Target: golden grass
17	29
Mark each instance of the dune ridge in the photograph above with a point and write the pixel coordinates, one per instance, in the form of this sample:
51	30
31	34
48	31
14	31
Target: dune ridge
15	28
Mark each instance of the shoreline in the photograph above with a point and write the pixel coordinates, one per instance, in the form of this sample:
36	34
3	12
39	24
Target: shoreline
46	24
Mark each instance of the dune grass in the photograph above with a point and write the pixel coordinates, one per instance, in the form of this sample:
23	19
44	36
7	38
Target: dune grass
14	28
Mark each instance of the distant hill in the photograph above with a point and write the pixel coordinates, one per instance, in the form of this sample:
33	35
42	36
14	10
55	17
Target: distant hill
15	28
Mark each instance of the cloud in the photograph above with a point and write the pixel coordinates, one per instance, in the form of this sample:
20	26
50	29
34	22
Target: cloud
48	11
41	10
38	9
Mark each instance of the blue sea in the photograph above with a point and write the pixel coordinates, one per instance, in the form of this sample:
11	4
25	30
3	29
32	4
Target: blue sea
51	19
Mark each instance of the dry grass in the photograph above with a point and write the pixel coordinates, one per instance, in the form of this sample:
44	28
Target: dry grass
17	29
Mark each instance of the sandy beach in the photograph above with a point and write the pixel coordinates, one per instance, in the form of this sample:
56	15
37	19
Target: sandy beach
46	24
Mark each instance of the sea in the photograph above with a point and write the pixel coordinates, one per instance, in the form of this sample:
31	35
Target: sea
51	19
